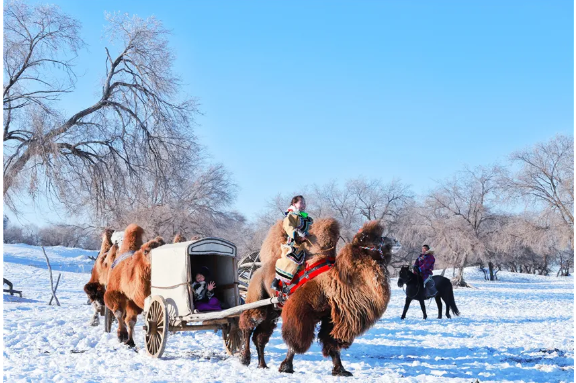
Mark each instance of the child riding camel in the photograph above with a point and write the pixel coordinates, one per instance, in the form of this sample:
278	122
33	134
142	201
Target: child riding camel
424	265
296	225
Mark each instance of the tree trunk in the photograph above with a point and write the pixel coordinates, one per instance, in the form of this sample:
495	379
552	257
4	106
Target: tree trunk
491	268
443	271
459	281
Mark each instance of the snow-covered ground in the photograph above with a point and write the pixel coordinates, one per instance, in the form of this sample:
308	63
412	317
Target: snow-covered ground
519	329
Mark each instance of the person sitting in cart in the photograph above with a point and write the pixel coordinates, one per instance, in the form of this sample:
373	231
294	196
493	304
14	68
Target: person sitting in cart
204	299
296	225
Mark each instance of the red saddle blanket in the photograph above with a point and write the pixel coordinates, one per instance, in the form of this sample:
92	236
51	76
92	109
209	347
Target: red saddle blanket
303	276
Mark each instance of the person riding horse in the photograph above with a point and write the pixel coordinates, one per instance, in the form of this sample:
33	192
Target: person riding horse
424	265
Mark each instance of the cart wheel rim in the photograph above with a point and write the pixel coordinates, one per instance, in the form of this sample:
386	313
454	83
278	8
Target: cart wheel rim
156	327
232	338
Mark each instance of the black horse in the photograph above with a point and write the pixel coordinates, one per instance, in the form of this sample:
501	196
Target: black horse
415	291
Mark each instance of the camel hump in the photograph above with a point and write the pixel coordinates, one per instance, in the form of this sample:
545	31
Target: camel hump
270	250
132	239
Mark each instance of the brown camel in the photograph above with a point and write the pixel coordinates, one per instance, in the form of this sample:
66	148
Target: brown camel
346	300
260	323
129	281
95	288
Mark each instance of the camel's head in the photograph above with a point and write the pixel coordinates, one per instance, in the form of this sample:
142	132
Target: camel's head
367	245
324	235
179	238
107	234
106	242
152	244
369	238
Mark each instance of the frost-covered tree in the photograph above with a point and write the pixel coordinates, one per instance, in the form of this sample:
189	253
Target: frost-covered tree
137	129
545	180
460	211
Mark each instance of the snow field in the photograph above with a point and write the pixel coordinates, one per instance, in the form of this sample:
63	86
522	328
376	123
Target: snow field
517	329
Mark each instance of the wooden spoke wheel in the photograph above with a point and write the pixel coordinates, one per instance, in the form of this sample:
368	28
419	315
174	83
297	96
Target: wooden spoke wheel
156	327
108	319
232	337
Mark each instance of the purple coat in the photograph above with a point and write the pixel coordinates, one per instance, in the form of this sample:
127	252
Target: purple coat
425	263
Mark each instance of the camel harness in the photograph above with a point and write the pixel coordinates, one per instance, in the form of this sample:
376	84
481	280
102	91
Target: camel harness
303	276
127	254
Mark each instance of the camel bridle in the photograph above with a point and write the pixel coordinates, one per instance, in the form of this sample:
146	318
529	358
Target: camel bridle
377	248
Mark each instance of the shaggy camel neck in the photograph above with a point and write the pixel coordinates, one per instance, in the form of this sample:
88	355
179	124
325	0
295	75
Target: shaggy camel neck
357	305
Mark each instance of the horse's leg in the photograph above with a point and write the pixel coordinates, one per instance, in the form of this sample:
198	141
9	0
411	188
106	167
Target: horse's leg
439	304
331	347
447	309
423	307
262	334
406	306
286	365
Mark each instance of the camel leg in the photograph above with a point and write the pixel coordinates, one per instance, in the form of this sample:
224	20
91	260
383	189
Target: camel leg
338	369
286	365
122	331
249	321
439	304
423	307
116	302
96	316
406	307
130	320
331	347
261	336
245	353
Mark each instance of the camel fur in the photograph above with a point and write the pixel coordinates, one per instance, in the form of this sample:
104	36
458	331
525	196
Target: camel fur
96	286
179	238
347	300
260	323
129	281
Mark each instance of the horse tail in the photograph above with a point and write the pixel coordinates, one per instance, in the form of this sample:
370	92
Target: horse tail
450	301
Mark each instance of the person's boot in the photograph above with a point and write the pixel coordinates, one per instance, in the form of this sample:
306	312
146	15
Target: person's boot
275	284
431	289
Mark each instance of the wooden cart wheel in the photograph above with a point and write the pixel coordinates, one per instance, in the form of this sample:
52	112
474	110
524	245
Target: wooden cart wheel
156	327
232	337
108	319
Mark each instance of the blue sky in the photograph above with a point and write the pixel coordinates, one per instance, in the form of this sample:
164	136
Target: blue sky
296	93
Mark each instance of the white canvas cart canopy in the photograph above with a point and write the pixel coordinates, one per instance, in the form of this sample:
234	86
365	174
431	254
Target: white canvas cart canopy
173	266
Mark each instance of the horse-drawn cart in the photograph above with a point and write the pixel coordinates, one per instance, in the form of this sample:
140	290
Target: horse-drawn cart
170	306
